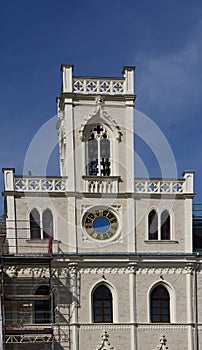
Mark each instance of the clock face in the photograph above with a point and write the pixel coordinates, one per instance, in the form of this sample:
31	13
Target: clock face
100	224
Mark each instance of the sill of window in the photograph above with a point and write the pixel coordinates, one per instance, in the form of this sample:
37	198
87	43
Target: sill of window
167	241
160	323
37	240
104	323
99	177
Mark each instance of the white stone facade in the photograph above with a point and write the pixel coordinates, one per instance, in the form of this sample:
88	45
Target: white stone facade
129	259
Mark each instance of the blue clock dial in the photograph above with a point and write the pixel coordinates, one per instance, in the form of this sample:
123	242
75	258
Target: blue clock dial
101	224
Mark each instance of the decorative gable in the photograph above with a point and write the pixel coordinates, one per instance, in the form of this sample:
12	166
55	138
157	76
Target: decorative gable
100	115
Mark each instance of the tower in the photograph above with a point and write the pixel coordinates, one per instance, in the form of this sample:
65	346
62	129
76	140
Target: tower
96	141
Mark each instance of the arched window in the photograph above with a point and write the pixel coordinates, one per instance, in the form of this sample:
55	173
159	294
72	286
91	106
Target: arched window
47	219
98	152
43	305
34	219
160	305
153	225
165	225
102	305
92	156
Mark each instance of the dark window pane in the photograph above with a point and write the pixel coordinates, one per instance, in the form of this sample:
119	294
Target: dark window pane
92	156
154	303
98	311
155	310
108	311
43	307
165	225
165	303
103	293
107	303
35	232
105	148
153	225
107	318
98	318
98	303
164	311
160	292
47	224
155	318
164	318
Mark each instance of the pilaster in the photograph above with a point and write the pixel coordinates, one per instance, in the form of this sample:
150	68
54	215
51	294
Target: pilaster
132	295
69	160
73	271
10	214
189	190
189	278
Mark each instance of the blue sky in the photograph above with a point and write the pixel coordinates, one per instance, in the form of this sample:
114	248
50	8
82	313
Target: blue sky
161	38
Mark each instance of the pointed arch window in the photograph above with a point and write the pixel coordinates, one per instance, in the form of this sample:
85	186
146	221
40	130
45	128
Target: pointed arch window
47	219
43	305
92	156
102	305
165	225
34	219
98	152
160	305
153	225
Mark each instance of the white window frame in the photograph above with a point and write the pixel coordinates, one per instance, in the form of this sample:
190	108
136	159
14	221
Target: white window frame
159	212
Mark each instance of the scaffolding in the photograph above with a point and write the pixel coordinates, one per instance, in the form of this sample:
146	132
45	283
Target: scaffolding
35	296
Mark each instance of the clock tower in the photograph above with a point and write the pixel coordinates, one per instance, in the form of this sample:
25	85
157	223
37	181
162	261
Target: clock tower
96	141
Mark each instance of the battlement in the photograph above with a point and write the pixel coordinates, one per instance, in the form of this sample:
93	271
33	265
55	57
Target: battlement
97	85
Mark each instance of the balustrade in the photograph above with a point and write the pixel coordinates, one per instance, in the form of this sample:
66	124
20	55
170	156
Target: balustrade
99	86
40	184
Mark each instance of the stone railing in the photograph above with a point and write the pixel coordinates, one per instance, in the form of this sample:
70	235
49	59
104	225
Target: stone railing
172	186
40	184
99	184
113	86
102	184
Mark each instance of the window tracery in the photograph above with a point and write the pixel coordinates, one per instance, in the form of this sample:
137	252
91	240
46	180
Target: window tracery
98	151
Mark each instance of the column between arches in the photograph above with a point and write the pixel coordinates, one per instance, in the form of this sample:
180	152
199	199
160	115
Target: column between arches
132	297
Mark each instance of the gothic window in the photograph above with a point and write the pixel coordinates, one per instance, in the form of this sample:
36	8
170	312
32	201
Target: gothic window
160	305
98	152
34	219
153	225
165	225
47	219
159	227
102	305
43	305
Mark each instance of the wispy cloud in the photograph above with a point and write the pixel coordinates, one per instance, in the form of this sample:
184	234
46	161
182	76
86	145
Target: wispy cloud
173	78
170	91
